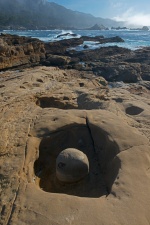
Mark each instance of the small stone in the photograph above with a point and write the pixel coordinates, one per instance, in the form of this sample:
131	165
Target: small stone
72	165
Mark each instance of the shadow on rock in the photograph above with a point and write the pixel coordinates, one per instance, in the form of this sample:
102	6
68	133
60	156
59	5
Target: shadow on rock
103	163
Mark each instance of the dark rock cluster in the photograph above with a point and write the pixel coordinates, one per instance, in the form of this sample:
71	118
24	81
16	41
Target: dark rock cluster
113	63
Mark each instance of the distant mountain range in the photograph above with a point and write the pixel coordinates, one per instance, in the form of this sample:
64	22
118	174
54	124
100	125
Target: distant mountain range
41	14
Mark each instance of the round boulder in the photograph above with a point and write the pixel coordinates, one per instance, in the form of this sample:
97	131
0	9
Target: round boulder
71	165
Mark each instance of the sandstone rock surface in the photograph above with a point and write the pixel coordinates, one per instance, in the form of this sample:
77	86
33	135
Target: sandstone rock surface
18	51
45	110
72	165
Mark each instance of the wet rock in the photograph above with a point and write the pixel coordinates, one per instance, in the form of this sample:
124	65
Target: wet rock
98	27
56	60
66	34
129	73
85	46
60	47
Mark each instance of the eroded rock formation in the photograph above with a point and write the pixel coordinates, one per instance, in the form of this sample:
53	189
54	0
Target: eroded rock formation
18	51
112	63
45	110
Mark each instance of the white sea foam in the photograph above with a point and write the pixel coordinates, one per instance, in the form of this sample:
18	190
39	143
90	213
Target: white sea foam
66	34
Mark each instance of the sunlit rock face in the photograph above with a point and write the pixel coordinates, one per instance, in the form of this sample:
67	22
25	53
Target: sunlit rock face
71	165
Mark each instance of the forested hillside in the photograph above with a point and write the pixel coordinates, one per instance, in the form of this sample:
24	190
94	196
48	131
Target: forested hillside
41	14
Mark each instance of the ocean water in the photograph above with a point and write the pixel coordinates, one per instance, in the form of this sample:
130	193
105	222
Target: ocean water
133	39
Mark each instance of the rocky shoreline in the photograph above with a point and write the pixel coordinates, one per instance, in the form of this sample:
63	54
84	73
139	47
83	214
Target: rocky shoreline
113	63
96	101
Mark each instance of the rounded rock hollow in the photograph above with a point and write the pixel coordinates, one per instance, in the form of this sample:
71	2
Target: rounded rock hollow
72	165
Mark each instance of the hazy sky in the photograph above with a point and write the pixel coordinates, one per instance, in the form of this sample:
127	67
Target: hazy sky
133	11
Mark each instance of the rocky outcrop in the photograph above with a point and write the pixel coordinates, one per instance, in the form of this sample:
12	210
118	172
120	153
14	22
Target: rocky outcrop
119	28
128	73
98	27
145	28
113	63
56	60
18	51
67	35
61	47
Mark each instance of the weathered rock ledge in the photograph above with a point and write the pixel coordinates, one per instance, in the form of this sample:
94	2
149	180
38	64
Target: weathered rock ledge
16	51
112	63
